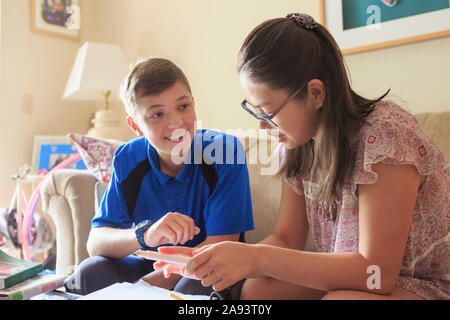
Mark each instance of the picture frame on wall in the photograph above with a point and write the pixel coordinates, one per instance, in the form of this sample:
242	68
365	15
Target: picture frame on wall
49	151
364	25
61	18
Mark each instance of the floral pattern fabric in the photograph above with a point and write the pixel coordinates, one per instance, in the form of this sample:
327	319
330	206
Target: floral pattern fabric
97	154
394	137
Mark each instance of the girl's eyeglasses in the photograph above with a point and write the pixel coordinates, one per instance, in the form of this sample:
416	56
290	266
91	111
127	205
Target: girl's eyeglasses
265	117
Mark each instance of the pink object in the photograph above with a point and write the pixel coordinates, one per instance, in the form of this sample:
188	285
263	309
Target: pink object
395	138
32	204
390	3
169	258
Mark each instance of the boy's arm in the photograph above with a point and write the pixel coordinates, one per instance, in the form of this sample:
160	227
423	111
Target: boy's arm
111	234
112	242
174	228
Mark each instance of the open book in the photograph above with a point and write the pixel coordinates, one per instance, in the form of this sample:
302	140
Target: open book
140	290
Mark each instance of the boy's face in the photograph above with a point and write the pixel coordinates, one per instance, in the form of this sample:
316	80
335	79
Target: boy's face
167	120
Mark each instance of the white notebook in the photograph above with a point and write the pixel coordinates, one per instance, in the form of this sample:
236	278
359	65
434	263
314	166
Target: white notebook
140	290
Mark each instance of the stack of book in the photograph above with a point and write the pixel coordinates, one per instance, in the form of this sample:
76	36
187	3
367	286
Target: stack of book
20	279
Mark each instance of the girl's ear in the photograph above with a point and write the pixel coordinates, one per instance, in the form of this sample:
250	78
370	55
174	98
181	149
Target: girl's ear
316	92
134	127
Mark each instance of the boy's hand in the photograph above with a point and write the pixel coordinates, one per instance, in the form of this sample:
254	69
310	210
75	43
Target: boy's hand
174	228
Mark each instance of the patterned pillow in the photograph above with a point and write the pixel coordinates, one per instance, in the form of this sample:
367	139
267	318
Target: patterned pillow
97	154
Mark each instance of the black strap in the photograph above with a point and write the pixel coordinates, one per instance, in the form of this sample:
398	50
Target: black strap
131	186
210	175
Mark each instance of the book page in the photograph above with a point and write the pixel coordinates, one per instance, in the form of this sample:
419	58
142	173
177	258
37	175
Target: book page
140	290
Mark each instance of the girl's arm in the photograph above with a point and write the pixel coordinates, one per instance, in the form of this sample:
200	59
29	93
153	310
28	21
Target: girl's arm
385	210
291	229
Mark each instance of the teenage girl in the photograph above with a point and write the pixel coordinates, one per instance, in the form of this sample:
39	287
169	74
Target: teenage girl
361	174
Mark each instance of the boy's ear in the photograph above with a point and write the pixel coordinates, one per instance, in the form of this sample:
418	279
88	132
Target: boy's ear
134	127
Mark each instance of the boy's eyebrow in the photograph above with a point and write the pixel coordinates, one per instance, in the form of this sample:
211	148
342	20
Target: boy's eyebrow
160	105
155	106
182	97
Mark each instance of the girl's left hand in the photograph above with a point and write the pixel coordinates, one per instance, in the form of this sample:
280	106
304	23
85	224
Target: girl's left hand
169	268
220	265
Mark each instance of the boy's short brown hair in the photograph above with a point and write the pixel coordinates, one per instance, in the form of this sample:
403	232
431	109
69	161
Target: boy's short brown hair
148	77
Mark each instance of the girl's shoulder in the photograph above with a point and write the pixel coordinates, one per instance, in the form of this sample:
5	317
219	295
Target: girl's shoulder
393	136
387	111
390	122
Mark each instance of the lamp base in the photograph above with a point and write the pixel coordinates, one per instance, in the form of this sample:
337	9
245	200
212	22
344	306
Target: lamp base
106	126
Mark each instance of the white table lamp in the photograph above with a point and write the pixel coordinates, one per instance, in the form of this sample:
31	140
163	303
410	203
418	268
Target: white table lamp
96	75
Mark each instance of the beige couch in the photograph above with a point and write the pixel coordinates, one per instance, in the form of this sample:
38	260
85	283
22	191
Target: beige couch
68	197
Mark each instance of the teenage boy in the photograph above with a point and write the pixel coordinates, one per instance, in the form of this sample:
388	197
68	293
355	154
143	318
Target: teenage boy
161	191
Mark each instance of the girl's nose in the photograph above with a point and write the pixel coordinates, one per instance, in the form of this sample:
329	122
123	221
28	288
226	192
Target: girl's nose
264	125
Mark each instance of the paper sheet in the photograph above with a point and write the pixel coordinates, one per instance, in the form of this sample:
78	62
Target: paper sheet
140	290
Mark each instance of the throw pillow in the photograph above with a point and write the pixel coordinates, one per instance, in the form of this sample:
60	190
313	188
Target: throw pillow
97	154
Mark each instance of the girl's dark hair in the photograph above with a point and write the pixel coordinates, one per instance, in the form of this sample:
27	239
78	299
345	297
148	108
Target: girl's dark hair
283	55
148	77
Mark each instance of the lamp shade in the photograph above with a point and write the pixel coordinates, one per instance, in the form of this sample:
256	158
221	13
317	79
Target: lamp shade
98	67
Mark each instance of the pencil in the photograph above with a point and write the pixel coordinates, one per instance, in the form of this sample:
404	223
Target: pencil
176	297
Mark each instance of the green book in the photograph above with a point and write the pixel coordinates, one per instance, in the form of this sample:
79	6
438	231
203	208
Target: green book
32	287
13	270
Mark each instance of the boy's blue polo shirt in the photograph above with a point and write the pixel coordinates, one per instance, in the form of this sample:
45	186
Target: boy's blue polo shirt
228	210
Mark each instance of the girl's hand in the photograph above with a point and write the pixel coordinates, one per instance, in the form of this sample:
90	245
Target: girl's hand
220	265
174	228
169	268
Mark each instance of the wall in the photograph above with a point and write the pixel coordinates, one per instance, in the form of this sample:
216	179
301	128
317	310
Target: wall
35	67
416	73
201	36
204	36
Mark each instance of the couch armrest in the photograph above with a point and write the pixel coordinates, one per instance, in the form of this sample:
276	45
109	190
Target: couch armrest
68	197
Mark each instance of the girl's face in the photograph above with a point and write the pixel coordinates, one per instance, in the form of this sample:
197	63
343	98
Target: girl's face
167	120
297	121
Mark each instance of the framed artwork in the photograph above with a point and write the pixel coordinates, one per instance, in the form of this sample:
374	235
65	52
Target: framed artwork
363	25
48	151
60	18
